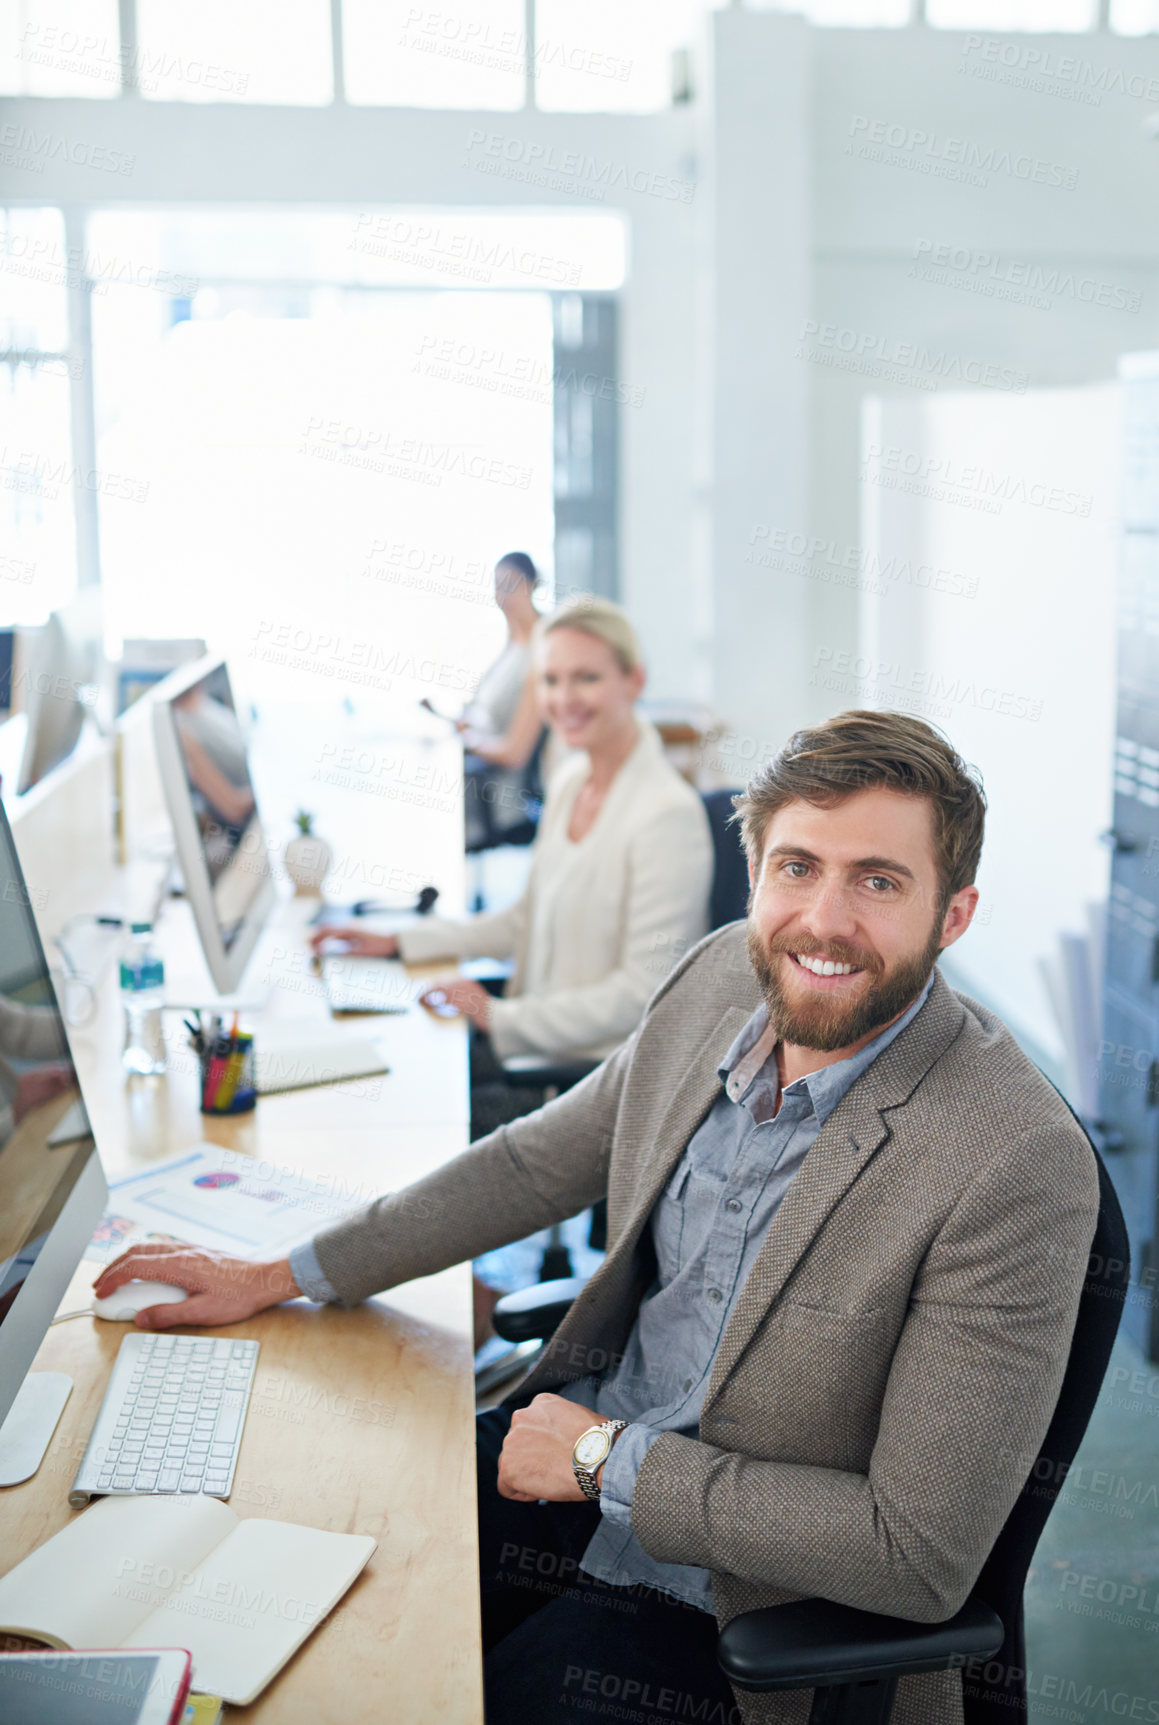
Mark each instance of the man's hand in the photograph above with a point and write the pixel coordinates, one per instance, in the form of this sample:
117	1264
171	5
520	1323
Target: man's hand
358	941
459	994
222	1290
535	1461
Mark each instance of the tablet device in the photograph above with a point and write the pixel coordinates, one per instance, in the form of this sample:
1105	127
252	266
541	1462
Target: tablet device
95	1688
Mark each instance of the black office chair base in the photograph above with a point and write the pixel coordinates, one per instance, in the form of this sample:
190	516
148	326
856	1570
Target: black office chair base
868	1703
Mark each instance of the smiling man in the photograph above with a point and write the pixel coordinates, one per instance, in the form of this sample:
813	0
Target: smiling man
848	1222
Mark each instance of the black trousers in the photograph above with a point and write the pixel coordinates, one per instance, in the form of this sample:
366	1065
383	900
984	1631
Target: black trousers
559	1645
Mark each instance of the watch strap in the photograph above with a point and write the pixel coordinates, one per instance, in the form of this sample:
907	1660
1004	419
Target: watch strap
586	1476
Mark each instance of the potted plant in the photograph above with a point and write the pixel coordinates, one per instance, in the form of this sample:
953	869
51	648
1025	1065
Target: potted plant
307	857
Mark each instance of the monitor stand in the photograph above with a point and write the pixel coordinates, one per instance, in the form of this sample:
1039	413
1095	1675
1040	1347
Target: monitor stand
32	1419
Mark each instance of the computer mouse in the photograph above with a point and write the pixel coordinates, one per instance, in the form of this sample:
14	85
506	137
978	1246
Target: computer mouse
126	1302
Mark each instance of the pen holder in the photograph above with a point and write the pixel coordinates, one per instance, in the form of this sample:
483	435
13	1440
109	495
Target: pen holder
227	1077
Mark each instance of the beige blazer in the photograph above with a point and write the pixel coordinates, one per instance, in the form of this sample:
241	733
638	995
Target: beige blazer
893	1361
601	922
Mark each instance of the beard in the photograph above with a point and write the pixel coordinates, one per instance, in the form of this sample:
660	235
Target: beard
827	1024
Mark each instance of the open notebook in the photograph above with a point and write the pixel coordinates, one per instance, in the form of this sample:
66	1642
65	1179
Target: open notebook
241	1596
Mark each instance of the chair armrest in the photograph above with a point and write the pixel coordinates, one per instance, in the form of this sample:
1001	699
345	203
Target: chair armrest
532	1314
813	1644
537	1071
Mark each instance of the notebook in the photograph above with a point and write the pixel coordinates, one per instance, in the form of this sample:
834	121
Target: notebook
295	1054
242	1596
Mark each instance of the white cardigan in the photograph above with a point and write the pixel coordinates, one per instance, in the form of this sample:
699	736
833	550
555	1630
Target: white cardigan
600	923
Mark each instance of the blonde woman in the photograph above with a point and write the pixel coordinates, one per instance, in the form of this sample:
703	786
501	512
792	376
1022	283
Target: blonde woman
620	876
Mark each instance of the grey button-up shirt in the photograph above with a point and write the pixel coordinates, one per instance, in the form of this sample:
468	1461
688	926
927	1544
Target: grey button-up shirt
707	1227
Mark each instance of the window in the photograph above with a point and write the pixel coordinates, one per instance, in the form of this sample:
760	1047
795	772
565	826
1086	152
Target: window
34	264
855	14
316	450
59	48
417	56
38	561
1012	14
234	51
184	252
605	56
859	14
1134	17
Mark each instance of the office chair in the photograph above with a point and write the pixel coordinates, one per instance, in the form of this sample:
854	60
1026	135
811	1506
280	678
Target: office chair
728	901
523	832
852	1659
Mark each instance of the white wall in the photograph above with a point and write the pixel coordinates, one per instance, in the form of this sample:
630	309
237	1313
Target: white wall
869	216
754	245
1017	665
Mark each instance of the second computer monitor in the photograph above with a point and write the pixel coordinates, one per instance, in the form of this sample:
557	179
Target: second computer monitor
61	685
52	1188
221	847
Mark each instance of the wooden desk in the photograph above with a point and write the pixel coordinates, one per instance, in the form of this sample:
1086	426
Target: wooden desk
360	1421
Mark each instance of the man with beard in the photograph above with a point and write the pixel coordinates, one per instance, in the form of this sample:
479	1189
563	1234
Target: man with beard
848	1224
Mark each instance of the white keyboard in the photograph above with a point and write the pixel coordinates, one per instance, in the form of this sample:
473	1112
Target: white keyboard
367	984
171	1419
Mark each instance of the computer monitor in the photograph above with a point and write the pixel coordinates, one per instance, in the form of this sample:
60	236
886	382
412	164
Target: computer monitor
60	685
52	1187
221	847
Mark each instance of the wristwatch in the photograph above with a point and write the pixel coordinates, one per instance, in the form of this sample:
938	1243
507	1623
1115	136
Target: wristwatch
589	1453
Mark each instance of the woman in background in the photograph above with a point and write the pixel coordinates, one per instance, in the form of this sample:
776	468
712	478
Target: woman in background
619	886
501	725
620	876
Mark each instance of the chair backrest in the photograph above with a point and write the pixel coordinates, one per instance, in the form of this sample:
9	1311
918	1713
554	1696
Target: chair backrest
531	783
999	1692
487	834
730	875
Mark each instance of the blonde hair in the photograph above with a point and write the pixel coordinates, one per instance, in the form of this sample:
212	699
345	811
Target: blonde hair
592	615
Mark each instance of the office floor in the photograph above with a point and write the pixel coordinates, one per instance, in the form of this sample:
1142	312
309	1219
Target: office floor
1092	1600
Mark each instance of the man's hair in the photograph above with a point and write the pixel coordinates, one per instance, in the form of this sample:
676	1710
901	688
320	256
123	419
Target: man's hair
861	750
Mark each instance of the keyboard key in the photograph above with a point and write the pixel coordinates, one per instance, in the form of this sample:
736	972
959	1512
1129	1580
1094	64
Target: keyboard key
123	1481
168	1479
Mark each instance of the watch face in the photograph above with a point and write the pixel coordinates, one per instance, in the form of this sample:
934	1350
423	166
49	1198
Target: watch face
591	1448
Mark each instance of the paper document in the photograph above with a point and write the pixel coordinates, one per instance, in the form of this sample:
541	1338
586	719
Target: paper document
231	1202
